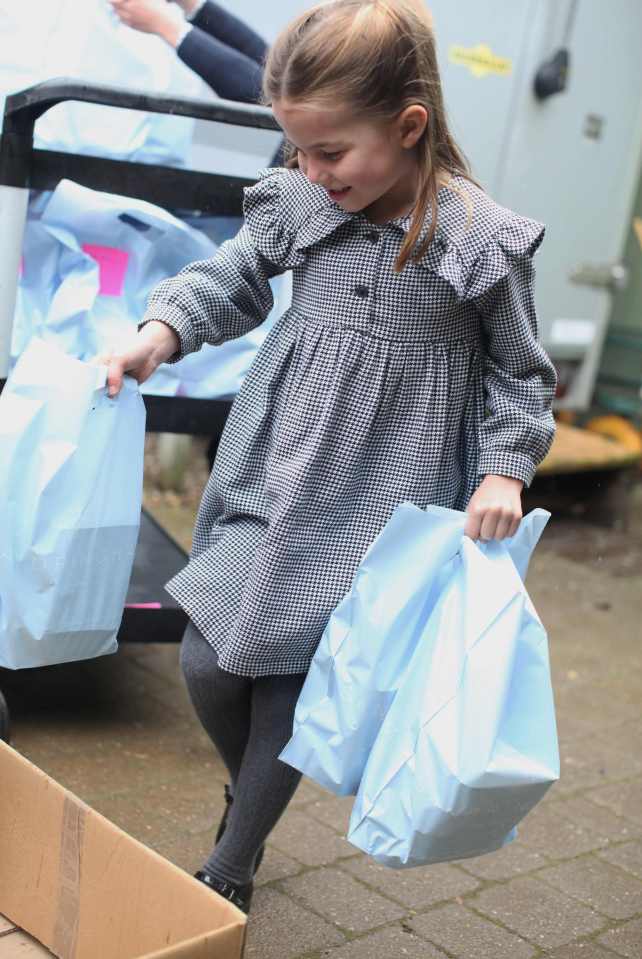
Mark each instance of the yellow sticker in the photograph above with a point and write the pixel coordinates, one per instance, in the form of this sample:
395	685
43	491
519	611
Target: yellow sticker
637	226
480	60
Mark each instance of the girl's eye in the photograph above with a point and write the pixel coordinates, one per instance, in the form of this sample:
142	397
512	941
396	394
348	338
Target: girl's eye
331	156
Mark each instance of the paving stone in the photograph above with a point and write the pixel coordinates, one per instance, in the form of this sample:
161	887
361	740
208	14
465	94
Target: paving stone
281	929
563	830
628	738
580	950
589	708
464	934
598	884
626	940
342	900
594	760
624	799
187	852
334	812
190	852
415	888
189	804
390	943
309	841
581	767
538	913
627	856
516	859
141	820
110	768
307	792
276	865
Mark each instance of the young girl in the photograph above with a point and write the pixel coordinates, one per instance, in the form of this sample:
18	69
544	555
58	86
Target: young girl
408	368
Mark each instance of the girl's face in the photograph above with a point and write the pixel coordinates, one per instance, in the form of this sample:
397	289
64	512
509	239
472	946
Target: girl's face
365	165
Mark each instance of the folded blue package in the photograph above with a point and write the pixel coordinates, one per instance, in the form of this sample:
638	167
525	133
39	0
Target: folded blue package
362	656
444	726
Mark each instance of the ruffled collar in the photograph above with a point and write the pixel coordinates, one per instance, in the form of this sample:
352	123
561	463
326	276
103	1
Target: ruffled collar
441	258
469	257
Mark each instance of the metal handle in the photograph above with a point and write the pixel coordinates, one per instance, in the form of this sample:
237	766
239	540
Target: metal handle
22	109
605	276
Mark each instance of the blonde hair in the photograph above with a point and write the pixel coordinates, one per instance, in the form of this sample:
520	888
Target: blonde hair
379	57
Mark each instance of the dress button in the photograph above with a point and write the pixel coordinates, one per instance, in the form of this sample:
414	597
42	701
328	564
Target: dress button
373	236
361	291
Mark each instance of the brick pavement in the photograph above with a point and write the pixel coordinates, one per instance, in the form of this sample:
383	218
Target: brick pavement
120	732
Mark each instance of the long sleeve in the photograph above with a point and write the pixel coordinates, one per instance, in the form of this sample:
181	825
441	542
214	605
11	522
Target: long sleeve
231	74
225	297
214	300
519	378
230	30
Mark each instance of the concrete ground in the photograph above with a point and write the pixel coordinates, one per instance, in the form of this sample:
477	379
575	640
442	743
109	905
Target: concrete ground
120	733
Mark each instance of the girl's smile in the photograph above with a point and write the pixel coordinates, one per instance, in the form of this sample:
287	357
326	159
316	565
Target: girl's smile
365	165
338	195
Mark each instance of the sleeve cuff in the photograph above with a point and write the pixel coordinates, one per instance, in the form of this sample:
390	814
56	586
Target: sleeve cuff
189	341
507	463
182	33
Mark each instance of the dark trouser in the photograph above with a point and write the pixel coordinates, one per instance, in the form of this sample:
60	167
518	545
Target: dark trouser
249	721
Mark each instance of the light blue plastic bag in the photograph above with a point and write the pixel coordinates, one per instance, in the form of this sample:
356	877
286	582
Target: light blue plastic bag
367	644
90	260
372	635
469	744
71	472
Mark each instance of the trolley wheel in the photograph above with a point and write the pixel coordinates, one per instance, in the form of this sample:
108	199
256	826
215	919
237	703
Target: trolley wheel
617	428
4	719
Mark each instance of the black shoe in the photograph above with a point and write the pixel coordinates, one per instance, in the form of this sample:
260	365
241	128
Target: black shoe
239	896
223	823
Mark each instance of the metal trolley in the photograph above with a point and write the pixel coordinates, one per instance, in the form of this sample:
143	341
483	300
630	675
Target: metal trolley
150	614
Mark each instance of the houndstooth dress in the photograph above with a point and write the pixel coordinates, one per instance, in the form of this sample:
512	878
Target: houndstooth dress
374	388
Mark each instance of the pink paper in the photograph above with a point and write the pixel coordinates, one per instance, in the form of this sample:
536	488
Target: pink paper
112	264
143	606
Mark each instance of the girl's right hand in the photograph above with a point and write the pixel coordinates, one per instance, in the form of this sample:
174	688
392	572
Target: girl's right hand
154	344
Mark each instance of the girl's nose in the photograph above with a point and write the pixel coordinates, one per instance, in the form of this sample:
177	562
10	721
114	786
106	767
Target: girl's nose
314	172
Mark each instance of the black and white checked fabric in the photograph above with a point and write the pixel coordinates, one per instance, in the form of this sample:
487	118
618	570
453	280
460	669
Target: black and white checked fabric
374	388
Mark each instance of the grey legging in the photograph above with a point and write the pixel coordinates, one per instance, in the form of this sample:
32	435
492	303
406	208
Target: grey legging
249	721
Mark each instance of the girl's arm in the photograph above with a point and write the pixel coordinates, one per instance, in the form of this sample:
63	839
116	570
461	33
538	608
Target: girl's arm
219	299
209	301
519	381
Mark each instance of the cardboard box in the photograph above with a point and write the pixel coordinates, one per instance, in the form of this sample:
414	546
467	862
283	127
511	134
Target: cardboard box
85	889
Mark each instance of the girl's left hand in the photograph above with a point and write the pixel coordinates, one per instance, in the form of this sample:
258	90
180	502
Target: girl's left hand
495	509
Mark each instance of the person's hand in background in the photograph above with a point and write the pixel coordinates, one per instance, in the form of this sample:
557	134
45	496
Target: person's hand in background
152	16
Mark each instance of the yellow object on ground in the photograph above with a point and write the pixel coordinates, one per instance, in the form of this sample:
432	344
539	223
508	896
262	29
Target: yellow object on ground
617	428
579	450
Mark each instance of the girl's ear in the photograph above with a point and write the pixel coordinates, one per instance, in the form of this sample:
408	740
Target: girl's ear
411	124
